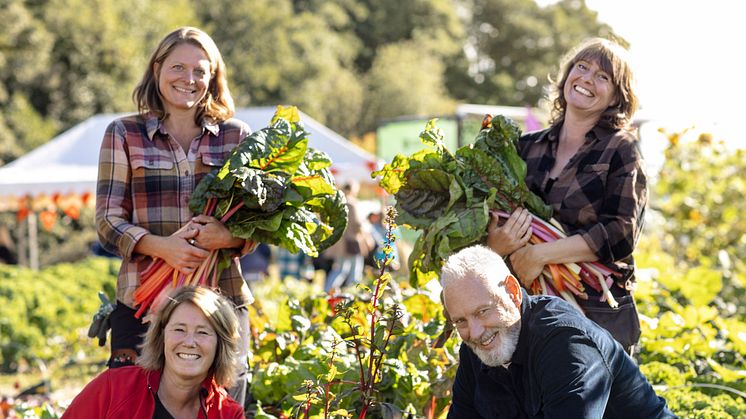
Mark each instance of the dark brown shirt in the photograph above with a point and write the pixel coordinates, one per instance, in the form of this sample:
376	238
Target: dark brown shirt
601	194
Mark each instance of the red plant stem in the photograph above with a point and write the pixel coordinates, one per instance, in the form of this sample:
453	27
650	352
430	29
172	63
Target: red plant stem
232	211
371	377
431	414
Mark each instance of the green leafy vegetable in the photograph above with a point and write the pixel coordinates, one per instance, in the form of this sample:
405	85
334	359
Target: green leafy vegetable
448	196
285	192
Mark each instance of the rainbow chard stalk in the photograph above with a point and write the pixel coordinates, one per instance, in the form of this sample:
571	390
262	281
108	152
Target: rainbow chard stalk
273	189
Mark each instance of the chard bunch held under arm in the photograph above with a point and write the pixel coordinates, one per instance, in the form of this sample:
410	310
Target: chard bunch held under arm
448	197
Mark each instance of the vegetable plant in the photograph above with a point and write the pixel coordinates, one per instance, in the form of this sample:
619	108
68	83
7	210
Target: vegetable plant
448	197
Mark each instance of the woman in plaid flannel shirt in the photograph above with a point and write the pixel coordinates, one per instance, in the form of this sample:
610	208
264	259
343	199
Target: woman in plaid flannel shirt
588	167
149	165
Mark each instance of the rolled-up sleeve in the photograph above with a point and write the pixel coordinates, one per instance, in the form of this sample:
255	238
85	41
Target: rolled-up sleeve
114	206
615	234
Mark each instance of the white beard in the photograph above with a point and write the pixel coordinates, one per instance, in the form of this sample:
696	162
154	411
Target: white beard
503	352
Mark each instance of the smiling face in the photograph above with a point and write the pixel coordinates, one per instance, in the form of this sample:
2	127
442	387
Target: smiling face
183	77
588	88
190	343
487	320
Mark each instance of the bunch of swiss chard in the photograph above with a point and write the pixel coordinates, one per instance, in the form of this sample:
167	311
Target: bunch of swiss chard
448	197
273	189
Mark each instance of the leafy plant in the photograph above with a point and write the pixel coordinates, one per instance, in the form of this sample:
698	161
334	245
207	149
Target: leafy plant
273	189
448	196
366	354
45	315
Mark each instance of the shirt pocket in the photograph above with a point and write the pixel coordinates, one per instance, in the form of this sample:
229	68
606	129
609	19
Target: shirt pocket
153	172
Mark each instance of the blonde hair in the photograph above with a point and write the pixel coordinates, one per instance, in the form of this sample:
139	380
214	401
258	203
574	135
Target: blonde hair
216	106
221	316
613	59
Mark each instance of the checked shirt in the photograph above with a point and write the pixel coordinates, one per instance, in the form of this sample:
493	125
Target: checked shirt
601	194
145	180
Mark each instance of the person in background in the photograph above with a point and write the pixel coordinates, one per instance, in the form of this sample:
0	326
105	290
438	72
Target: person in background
149	165
379	232
7	249
255	265
349	252
587	166
534	356
293	265
190	354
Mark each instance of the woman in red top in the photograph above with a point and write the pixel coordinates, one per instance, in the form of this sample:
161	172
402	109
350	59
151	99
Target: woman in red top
189	355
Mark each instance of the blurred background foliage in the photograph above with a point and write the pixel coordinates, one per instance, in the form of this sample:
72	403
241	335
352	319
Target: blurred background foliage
347	63
350	64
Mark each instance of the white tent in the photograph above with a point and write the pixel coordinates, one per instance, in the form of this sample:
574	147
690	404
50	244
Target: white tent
69	162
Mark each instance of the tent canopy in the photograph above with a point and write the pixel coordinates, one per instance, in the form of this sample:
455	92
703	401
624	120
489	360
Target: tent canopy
68	163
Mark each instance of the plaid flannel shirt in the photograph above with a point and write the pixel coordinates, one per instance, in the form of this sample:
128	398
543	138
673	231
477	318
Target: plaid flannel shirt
145	180
601	194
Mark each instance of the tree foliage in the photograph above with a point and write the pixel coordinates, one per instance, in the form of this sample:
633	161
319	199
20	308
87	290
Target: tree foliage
513	46
347	63
699	193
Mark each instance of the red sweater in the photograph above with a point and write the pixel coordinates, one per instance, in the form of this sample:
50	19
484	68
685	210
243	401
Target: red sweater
129	392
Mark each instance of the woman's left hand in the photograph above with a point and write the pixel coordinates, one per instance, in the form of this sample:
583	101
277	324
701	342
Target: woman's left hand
213	234
526	264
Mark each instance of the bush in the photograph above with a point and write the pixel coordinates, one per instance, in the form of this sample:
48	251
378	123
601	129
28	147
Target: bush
44	315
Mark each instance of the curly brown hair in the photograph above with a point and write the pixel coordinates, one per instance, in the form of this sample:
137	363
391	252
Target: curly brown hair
612	58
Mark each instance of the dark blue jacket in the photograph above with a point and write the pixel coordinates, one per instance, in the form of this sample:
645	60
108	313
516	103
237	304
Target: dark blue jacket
565	366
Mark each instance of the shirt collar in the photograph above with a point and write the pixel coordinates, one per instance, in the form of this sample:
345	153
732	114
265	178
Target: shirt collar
598	132
153	125
521	349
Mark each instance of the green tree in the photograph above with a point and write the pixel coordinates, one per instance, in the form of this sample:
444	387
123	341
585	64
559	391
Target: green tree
98	56
405	80
277	54
25	47
699	193
513	46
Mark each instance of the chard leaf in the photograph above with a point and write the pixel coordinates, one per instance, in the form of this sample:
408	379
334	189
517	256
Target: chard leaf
426	193
447	197
317	159
433	135
392	174
310	186
332	212
288	193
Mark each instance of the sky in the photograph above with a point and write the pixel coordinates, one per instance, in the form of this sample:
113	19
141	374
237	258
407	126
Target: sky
689	58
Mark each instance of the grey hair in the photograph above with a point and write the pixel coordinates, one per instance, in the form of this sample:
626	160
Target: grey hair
476	262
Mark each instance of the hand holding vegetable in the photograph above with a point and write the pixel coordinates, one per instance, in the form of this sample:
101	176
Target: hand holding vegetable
272	189
526	265
213	235
452	199
512	235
